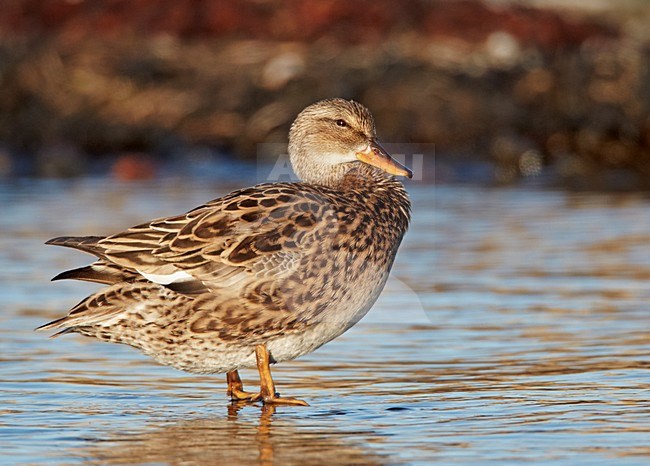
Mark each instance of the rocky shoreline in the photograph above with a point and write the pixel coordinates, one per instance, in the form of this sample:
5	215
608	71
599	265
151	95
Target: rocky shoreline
525	89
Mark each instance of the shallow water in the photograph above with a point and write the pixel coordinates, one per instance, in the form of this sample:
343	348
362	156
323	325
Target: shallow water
514	329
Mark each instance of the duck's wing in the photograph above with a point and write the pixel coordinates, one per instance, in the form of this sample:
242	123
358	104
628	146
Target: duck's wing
250	234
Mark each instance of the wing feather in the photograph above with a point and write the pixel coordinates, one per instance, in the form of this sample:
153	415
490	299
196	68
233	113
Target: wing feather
262	230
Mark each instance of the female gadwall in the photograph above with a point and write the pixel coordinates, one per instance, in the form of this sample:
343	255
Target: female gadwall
262	275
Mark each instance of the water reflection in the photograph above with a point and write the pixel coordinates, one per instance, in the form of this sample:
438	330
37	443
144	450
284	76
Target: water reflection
232	439
515	330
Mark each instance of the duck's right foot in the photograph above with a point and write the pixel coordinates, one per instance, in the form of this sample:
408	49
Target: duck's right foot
236	390
277	400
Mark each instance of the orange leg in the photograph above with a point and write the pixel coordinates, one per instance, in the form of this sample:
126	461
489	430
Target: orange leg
267	387
236	388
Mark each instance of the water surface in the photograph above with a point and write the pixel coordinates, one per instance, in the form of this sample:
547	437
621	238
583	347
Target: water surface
514	329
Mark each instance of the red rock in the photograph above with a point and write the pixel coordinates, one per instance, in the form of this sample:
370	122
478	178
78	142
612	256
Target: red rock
295	20
134	166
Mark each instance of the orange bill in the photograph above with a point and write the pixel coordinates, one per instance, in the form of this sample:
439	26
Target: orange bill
377	156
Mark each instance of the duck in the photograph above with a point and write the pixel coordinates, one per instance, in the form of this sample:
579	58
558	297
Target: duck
262	275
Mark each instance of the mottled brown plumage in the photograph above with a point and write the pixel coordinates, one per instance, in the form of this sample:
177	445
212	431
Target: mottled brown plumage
277	269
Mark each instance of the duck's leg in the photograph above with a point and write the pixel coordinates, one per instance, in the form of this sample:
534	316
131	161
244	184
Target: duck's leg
236	389
267	387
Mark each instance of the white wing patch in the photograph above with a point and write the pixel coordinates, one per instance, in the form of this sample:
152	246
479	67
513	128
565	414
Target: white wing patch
166	279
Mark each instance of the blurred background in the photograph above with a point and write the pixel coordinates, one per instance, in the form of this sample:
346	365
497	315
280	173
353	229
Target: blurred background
514	328
505	91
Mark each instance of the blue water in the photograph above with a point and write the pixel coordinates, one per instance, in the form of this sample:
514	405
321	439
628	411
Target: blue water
514	330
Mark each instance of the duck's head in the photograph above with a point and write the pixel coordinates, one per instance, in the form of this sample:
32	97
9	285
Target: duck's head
330	137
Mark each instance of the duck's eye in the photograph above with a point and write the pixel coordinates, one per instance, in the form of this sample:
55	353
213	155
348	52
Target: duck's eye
341	123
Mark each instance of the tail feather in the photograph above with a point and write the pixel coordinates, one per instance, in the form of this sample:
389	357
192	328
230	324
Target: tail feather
99	272
55	324
83	243
64	322
107	304
94	309
62	332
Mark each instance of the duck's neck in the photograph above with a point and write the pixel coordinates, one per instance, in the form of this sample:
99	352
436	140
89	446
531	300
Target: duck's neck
322	174
380	191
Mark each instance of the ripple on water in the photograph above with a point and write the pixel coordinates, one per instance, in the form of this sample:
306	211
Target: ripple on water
514	329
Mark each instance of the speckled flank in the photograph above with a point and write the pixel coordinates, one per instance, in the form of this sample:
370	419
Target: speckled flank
287	265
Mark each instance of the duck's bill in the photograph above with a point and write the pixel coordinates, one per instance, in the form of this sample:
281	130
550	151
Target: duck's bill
377	156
